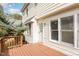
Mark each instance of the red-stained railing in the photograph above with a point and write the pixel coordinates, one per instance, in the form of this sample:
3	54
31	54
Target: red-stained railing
10	42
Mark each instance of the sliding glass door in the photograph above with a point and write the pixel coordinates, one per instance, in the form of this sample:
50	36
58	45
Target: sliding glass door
67	29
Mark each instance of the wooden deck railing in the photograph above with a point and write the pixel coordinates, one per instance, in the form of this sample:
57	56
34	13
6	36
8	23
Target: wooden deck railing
10	42
0	46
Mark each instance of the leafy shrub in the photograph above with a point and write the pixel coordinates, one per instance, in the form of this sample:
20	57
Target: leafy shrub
3	33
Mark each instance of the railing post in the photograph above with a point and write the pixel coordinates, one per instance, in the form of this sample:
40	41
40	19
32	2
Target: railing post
0	45
21	39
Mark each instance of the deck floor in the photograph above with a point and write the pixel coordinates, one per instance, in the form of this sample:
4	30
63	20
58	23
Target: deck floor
34	50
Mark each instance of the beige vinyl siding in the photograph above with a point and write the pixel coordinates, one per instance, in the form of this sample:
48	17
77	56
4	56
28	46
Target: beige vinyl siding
44	8
41	9
31	10
24	16
62	47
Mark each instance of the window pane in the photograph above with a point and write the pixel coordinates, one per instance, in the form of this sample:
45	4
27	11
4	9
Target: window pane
54	30
41	27
54	35
54	25
67	37
67	23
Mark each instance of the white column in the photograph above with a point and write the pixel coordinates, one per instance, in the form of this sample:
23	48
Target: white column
75	30
59	30
35	31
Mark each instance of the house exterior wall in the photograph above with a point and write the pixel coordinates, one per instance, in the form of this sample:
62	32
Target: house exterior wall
28	35
35	31
26	15
47	37
31	12
43	9
40	11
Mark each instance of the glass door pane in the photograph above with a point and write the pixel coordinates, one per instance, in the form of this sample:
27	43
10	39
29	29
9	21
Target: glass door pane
67	29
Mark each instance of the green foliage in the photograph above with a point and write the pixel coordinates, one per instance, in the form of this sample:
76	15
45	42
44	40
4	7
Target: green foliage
2	19
3	33
20	30
7	28
16	16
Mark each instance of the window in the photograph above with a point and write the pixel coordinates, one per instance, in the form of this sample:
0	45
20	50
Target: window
67	23
54	30
67	29
41	27
28	29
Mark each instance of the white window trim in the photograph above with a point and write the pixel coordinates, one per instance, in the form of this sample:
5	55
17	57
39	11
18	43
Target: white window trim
65	43
59	31
75	30
55	41
43	32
